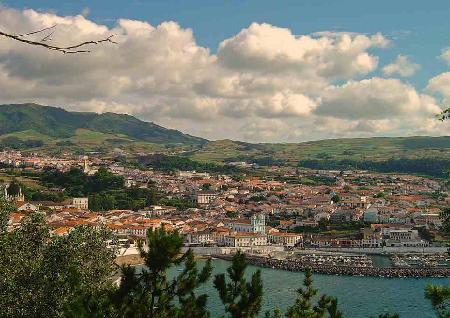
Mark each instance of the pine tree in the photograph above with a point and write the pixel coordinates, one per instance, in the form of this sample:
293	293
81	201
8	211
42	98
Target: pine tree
151	293
304	308
241	299
440	299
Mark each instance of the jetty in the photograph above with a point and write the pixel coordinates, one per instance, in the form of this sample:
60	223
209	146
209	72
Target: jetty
347	270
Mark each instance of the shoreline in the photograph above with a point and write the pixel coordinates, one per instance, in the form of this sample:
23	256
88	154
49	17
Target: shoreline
385	272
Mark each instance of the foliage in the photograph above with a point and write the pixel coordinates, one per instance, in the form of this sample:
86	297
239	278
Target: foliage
445	114
151	293
304	308
440	299
125	199
12	142
78	184
47	272
181	204
241	299
336	198
427	166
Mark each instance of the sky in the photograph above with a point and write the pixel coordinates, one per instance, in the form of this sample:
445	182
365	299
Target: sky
258	71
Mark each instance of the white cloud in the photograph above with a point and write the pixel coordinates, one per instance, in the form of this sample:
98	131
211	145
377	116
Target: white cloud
440	84
269	49
264	84
446	56
401	66
375	98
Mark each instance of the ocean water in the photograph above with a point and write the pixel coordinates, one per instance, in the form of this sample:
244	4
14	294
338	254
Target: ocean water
358	296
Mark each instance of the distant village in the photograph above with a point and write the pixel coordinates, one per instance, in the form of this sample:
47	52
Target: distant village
389	212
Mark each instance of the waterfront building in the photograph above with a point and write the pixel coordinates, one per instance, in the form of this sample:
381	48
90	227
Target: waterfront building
286	239
243	239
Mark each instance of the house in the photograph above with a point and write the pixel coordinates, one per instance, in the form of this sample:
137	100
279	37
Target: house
201	237
256	224
286	239
80	203
27	207
157	210
341	216
244	239
205	197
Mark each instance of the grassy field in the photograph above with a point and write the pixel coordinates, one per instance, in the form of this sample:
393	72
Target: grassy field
335	149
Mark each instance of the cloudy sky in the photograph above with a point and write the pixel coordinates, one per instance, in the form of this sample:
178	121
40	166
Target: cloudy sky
259	71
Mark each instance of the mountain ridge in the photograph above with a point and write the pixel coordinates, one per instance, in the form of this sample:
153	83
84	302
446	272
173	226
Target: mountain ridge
59	123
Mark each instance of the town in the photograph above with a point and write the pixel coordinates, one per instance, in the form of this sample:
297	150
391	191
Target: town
326	223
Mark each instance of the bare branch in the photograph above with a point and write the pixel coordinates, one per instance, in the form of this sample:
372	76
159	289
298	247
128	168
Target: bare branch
38	31
44	42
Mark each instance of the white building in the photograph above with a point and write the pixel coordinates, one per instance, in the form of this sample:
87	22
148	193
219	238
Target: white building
158	210
206	197
241	239
286	239
256	224
80	203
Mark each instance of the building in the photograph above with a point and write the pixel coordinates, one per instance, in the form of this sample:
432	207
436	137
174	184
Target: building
206	197
256	224
242	239
81	203
199	238
158	210
286	239
371	215
341	216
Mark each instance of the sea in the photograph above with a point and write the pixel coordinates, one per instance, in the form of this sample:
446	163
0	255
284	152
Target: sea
357	296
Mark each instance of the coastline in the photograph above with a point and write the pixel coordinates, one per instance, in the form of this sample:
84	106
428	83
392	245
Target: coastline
386	272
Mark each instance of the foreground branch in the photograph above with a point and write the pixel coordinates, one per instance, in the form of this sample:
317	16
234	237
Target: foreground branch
44	42
445	114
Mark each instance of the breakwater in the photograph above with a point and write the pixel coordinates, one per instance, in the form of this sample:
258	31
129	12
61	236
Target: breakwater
389	272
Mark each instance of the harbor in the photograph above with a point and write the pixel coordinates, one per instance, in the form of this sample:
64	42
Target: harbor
346	265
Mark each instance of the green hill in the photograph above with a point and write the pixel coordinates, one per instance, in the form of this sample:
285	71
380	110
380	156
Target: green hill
51	123
51	129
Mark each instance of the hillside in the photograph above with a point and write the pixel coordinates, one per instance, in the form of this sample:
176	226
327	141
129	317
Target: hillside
53	125
50	129
422	155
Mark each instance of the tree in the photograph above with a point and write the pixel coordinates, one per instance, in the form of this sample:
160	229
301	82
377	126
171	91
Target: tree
440	299
241	299
45	38
151	293
303	307
47	272
336	198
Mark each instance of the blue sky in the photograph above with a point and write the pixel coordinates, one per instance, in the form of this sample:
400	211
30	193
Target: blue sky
258	71
420	29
